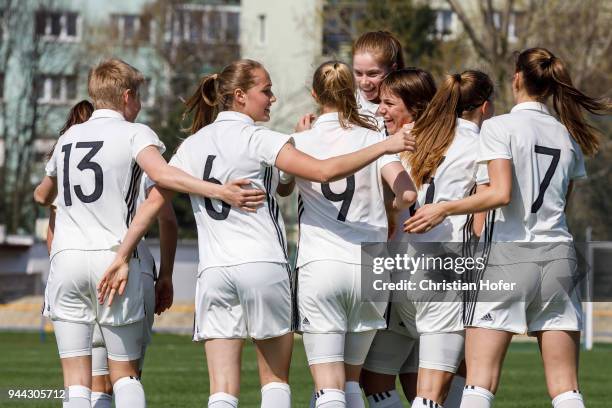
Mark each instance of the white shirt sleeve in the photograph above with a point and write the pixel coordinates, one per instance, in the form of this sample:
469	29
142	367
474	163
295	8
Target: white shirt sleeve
494	143
482	174
578	170
51	167
386	158
144	137
265	144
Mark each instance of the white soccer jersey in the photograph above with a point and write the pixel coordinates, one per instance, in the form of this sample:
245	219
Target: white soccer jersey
545	159
147	262
230	148
98	180
335	218
370	109
453	180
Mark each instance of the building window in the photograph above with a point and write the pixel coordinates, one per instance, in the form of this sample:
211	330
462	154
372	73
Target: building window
58	25
57	89
131	28
340	26
262	28
207	24
514	20
1	86
444	24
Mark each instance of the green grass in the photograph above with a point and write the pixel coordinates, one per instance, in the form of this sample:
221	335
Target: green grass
175	374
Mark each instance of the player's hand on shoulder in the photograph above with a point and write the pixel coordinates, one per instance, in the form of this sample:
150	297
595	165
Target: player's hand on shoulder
401	141
305	122
425	218
237	194
164	294
113	281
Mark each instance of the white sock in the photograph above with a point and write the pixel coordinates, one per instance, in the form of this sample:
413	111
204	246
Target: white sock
569	399
386	399
77	396
330	398
453	400
101	400
222	400
476	397
129	393
352	392
276	395
420	402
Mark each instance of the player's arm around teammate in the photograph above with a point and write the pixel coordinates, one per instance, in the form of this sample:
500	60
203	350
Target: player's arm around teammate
511	145
334	218
404	95
448	133
225	107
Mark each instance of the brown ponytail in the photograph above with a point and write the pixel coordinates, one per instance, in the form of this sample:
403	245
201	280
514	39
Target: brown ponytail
79	113
384	47
215	92
545	75
334	86
435	129
414	86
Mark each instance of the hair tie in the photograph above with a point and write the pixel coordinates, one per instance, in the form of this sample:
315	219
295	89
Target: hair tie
457	77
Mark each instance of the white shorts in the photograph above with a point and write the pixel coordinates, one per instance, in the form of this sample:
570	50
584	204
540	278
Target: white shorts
123	343
329	299
99	362
396	350
438	317
546	304
249	300
71	293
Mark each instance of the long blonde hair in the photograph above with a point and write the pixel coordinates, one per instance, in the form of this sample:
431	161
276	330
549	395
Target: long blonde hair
334	86
435	129
545	75
215	92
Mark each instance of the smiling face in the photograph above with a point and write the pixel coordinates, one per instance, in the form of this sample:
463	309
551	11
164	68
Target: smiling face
394	111
368	75
258	99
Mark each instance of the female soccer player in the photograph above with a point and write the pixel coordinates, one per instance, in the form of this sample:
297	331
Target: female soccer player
375	54
157	290
244	283
334	218
98	164
532	160
444	168
404	95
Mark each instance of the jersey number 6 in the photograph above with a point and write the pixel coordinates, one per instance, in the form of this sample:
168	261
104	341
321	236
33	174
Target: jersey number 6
210	210
85	164
346	196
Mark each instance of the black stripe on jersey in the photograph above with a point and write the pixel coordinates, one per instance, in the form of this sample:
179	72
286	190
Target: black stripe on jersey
273	208
132	193
131	196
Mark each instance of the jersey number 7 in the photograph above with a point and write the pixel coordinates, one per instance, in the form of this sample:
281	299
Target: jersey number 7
346	196
555	153
84	164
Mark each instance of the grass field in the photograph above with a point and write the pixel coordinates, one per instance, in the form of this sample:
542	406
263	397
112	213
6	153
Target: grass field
175	375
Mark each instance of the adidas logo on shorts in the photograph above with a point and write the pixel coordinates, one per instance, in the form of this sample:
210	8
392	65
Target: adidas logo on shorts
305	321
487	317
